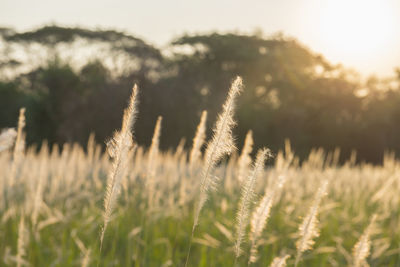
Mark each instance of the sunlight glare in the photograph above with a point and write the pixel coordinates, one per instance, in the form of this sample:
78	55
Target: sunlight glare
358	29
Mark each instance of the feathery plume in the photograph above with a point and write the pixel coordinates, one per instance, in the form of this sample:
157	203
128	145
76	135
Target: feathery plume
308	229
198	140
221	144
362	247
245	159
20	142
247	197
19	145
38	195
260	217
152	162
154	147
7	138
118	148
279	261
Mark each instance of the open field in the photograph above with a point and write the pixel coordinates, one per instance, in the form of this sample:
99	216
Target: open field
55	208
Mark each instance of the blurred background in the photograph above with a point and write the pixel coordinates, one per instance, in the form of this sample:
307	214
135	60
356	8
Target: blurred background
320	73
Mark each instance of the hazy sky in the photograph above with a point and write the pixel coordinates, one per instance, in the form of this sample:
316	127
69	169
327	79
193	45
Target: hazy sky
363	34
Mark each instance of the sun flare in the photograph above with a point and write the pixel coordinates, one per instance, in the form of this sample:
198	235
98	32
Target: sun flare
357	29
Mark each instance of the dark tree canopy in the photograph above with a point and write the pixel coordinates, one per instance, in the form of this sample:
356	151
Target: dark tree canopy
290	91
53	35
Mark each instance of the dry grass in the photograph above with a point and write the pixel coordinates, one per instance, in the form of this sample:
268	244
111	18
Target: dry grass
51	214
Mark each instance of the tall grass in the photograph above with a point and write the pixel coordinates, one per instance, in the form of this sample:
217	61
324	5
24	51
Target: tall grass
220	145
247	197
279	215
308	229
118	147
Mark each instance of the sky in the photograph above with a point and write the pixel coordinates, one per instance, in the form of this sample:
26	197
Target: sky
360	34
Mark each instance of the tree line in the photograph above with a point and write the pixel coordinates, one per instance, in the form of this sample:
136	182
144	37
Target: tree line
75	81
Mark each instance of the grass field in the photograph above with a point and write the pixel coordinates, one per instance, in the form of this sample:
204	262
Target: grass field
55	204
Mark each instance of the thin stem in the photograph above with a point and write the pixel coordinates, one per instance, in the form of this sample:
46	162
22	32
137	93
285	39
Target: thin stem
190	246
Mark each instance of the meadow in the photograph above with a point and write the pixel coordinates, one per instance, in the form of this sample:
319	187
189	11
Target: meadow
209	205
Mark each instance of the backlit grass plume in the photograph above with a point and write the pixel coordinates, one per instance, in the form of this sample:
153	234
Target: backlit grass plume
260	216
154	147
247	197
279	261
308	230
118	147
363	246
20	141
152	163
221	144
19	146
245	159
198	140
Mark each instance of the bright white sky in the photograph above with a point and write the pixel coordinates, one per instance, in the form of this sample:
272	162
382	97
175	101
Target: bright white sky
362	34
